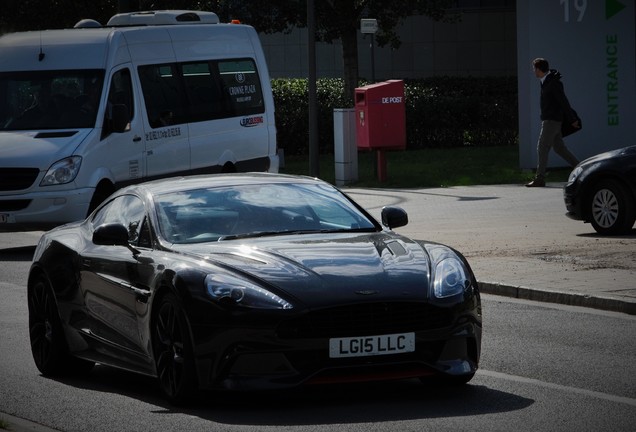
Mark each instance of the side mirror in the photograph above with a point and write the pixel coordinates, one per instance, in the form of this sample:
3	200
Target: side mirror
394	217
120	118
111	235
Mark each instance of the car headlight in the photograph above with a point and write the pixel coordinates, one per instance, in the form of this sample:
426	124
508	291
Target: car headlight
236	291
62	171
576	172
451	278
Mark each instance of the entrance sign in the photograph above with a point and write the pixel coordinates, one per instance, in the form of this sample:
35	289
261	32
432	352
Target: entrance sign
592	44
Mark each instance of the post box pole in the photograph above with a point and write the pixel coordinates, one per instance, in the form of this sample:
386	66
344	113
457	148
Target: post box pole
381	164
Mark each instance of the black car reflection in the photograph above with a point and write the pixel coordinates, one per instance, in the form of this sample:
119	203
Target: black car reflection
250	281
602	190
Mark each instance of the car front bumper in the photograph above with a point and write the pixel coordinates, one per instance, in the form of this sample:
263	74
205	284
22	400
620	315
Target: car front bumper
263	358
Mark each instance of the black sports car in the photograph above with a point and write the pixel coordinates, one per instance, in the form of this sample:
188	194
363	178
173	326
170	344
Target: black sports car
250	281
602	190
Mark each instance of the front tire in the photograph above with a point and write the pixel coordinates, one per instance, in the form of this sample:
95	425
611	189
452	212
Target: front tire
173	353
611	208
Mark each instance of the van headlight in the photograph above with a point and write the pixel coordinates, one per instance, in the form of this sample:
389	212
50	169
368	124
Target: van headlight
231	290
62	172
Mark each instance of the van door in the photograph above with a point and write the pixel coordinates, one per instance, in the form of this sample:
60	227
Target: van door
122	150
167	151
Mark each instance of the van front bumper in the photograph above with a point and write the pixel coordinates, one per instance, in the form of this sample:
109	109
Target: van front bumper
43	210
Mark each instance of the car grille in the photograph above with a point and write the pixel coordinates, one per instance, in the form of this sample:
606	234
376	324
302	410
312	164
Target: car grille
366	319
13	205
17	178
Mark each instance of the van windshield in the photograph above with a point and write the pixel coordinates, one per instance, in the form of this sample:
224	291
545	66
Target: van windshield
67	99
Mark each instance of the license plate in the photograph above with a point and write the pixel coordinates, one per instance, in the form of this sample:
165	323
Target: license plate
372	345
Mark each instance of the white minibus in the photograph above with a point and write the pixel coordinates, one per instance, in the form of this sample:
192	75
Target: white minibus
84	111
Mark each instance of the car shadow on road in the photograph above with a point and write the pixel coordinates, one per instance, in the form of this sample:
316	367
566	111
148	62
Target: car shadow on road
316	405
630	235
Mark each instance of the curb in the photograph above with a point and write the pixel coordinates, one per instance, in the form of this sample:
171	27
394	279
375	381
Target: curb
17	424
559	297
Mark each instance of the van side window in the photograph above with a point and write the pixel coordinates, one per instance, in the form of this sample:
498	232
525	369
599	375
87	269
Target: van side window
242	84
214	89
205	95
160	87
120	93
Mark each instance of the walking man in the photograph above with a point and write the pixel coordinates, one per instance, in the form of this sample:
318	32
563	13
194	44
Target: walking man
555	109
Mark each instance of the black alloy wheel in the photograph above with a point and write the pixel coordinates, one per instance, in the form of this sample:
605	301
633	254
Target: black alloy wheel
173	352
612	209
48	345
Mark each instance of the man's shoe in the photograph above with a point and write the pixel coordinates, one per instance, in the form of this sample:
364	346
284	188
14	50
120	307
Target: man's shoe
538	182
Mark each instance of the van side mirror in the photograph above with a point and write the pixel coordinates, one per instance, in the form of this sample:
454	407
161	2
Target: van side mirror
120	118
394	217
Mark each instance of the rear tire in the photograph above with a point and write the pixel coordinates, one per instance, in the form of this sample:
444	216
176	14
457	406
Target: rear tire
173	353
48	344
611	208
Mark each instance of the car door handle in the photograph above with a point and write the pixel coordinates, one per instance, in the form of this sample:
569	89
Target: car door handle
137	138
142	294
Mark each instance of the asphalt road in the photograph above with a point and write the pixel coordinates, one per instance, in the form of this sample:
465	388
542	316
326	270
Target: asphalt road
544	367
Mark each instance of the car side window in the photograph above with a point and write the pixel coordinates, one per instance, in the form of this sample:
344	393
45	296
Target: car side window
127	210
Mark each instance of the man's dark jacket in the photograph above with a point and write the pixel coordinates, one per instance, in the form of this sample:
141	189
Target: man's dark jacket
554	103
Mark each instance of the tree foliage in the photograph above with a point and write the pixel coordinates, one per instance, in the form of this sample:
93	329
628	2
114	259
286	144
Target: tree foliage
335	19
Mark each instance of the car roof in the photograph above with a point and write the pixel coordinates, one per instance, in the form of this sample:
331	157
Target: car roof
175	184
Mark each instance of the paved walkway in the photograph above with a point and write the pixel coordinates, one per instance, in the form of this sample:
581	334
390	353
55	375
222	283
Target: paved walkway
519	242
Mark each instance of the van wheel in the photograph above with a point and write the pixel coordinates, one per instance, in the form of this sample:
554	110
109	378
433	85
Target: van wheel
103	191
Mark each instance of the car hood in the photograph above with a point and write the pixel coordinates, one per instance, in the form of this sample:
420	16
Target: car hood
321	270
38	149
613	154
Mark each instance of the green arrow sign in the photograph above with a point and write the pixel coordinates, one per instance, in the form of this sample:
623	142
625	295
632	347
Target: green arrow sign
612	7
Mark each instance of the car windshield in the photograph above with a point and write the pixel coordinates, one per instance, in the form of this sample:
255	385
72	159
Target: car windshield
256	210
66	99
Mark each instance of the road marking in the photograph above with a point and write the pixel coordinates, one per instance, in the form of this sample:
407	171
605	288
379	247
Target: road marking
590	393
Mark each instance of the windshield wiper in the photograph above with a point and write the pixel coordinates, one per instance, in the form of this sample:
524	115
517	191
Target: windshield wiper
291	232
251	235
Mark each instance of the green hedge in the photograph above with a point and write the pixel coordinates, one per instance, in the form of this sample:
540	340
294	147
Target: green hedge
440	112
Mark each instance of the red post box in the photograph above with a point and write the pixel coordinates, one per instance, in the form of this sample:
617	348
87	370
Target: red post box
381	116
381	120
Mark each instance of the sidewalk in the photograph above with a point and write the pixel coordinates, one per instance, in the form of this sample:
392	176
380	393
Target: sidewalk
520	243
